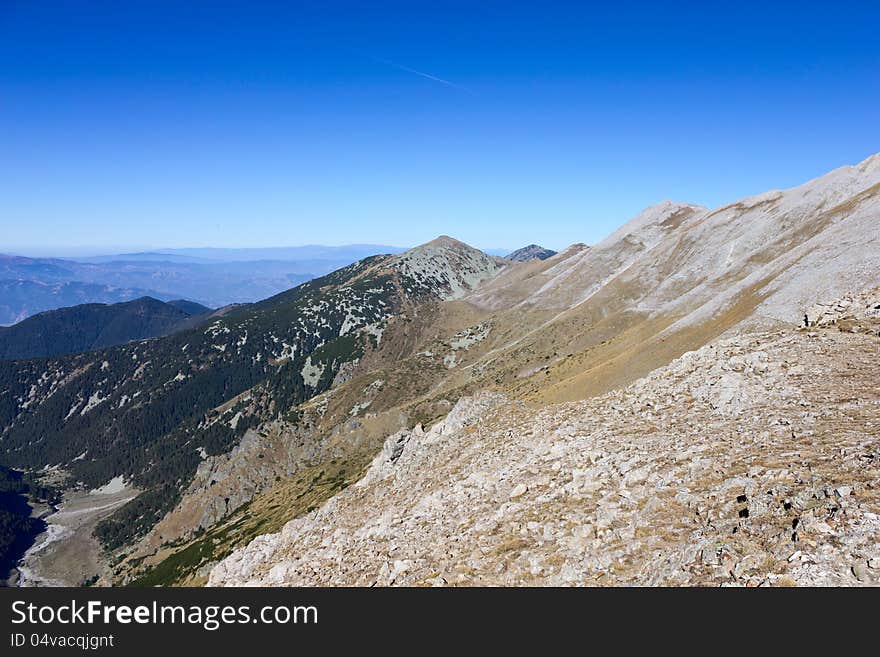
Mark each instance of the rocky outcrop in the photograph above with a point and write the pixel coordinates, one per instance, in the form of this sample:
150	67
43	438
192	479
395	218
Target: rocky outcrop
853	311
405	446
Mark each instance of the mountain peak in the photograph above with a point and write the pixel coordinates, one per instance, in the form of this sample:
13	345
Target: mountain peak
647	224
445	267
447	241
530	252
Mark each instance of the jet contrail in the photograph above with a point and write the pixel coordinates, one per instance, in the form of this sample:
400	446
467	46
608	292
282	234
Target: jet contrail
424	75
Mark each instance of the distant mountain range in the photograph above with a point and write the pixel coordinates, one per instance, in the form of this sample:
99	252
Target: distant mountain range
313	252
93	326
213	277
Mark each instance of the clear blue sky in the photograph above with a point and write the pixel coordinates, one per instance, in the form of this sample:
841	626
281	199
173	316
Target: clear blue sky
145	124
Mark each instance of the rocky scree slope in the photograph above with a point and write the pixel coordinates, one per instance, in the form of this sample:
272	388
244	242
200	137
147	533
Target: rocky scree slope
753	461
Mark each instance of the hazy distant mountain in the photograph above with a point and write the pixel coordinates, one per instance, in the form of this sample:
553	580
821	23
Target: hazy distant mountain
531	252
189	307
147	256
349	253
20	299
94	325
214	277
46	270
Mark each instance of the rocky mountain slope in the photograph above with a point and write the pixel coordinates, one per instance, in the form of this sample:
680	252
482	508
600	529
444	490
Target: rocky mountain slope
679	275
530	252
754	460
93	326
592	320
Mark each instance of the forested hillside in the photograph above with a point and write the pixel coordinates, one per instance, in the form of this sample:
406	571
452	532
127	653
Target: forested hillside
93	326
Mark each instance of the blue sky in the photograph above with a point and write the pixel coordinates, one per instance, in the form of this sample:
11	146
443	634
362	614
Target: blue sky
167	124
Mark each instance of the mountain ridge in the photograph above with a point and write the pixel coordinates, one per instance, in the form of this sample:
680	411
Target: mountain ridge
93	326
591	321
585	322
